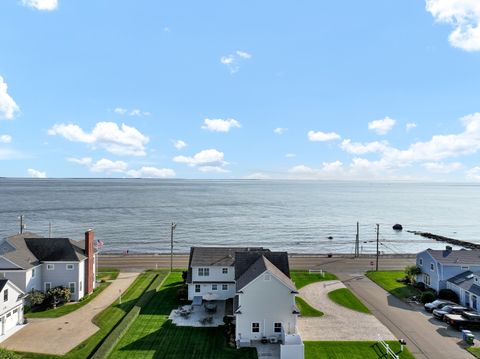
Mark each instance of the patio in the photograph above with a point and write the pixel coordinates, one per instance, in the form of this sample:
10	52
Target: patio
209	314
271	351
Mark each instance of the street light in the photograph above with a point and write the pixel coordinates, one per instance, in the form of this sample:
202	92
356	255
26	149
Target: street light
172	228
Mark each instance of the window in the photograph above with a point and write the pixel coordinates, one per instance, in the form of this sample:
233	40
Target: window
69	266
50	266
33	273
47	286
255	327
426	279
15	311
432	267
9	314
464	267
420	261
197	288
267	277
203	272
71	285
224	270
5	295
277	327
214	287
475	279
224	286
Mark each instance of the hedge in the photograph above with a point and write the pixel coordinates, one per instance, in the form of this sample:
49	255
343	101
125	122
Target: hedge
116	334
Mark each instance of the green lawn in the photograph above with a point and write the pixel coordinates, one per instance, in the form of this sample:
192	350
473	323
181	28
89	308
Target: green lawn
105	273
301	278
387	280
106	320
475	351
306	310
152	335
351	350
346	298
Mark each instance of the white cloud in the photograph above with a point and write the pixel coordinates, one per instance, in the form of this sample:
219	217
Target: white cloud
410	126
320	136
120	110
48	5
8	107
473	174
233	61
441	167
280	130
463	16
219	125
179	144
152	172
124	140
102	165
5	138
257	176
363	148
36	174
290	155
382	127
134	112
209	160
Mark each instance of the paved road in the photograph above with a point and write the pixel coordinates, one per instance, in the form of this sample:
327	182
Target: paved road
60	335
425	337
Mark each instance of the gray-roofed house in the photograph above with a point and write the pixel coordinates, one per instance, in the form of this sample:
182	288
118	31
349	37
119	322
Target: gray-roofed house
259	282
32	262
439	266
467	287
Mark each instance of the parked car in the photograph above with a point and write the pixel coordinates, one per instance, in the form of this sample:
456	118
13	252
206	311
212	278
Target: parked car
469	320
437	304
448	309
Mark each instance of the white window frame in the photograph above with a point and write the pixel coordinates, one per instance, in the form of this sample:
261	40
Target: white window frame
74	287
5	295
426	279
203	272
199	287
69	266
432	267
224	286
257	327
33	272
214	286
45	286
420	262
50	266
275	327
225	270
465	267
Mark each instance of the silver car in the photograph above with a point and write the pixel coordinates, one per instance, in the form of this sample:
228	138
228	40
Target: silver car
437	304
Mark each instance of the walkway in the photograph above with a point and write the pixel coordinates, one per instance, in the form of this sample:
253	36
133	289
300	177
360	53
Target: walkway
60	335
425	337
338	323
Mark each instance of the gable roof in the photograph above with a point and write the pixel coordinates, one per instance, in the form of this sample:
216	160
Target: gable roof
216	256
461	256
27	250
261	265
466	281
3	283
244	260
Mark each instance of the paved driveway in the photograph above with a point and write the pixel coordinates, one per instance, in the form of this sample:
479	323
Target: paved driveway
60	335
338	323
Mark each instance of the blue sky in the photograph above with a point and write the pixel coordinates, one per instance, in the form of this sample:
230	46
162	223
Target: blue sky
253	89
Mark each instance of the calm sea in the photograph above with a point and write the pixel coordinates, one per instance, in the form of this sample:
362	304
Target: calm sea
297	216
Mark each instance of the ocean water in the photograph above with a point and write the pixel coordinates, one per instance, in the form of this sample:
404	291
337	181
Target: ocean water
297	216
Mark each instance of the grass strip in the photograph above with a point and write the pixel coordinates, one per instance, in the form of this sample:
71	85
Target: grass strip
301	278
388	281
106	273
306	310
351	350
347	299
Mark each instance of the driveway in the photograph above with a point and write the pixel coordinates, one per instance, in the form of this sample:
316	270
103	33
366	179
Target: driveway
426	338
60	335
338	323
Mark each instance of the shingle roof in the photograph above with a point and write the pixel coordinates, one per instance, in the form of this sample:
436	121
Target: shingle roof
216	256
243	261
261	265
466	281
462	256
27	250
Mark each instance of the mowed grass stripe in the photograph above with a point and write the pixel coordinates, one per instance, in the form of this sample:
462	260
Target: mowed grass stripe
347	299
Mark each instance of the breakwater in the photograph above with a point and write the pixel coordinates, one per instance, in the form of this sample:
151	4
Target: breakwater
456	242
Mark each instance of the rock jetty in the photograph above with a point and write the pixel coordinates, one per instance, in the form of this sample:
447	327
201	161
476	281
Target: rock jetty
456	242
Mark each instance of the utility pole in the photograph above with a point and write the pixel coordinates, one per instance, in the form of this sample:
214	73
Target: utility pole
357	242
378	234
172	228
22	226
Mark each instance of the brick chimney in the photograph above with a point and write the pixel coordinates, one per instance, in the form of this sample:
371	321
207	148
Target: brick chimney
89	253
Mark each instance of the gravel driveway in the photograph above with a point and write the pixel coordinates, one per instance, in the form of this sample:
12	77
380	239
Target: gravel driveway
338	323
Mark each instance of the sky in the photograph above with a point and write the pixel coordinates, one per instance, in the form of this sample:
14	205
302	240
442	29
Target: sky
351	90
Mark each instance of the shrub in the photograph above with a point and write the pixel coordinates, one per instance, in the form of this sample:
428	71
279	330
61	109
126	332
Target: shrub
35	297
427	297
448	294
58	295
7	354
411	272
420	286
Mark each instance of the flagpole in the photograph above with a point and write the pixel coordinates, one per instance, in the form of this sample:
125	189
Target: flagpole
174	225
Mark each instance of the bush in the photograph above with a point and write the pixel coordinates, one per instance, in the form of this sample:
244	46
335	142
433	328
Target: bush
411	272
420	286
427	297
448	294
35	297
58	295
7	354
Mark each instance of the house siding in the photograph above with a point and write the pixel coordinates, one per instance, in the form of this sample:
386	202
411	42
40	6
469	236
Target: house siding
13	302
60	276
33	282
6	264
215	276
255	305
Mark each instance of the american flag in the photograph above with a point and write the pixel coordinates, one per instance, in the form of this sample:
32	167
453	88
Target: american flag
100	244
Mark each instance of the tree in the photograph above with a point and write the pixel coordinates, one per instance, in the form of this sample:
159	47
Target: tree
58	295
411	272
35	297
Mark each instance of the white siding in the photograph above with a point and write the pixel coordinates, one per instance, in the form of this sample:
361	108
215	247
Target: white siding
34	282
215	274
206	289
8	319
81	278
256	306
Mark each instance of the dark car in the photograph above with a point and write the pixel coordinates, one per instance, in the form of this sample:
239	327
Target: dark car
437	304
448	309
468	320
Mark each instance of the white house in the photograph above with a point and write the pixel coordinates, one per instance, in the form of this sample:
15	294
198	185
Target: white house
35	263
467	287
11	307
259	282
